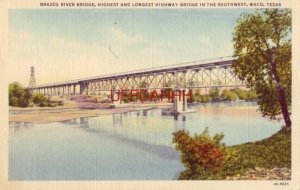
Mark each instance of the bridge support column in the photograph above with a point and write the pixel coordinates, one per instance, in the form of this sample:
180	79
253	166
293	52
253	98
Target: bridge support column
82	88
74	89
180	101
63	90
69	90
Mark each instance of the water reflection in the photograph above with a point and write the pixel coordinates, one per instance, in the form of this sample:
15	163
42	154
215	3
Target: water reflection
117	119
80	122
137	143
18	125
145	112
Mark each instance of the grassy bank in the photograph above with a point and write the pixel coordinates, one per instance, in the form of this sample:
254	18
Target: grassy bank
200	151
274	151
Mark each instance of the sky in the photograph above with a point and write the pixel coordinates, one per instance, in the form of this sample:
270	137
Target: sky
66	44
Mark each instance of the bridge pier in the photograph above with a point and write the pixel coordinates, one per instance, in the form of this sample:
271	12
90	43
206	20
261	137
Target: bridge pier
82	87
180	101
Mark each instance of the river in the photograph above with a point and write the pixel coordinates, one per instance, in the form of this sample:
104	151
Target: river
128	146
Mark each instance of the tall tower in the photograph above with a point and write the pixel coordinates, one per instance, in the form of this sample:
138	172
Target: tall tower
32	77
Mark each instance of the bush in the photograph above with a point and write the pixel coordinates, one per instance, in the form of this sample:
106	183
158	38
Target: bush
39	99
202	156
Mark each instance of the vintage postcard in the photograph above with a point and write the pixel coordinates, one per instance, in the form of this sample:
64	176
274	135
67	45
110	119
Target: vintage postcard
149	94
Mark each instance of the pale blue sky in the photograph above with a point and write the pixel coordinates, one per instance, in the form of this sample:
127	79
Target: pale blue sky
67	44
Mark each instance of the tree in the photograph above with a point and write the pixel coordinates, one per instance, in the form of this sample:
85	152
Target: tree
229	95
242	94
214	93
18	96
262	43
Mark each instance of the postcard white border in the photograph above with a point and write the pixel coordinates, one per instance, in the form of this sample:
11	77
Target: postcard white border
294	184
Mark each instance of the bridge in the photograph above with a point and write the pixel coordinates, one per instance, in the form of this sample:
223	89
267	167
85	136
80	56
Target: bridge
197	74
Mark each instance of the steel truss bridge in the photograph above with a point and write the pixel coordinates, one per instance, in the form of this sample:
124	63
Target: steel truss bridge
197	74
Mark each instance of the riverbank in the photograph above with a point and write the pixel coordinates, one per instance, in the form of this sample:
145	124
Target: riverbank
267	159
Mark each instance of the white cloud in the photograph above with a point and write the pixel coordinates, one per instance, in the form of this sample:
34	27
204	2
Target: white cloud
205	40
118	36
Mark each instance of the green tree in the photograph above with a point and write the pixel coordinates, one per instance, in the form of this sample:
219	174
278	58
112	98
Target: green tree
262	43
251	95
18	96
229	95
214	93
242	94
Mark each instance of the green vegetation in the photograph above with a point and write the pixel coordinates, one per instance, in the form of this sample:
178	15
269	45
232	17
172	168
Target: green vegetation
226	95
262	42
39	99
202	156
205	157
214	93
274	151
242	94
201	98
229	95
20	97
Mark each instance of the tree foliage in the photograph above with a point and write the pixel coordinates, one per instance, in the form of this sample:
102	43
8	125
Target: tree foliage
229	95
262	43
18	96
214	93
21	97
199	154
205	157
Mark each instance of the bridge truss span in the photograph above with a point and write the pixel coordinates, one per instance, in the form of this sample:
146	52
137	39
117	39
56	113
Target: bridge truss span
216	73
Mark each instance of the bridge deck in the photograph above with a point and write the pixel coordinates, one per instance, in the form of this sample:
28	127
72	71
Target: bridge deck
200	64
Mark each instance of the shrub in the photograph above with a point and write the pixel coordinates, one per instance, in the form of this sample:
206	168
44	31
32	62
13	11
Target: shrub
202	156
39	99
